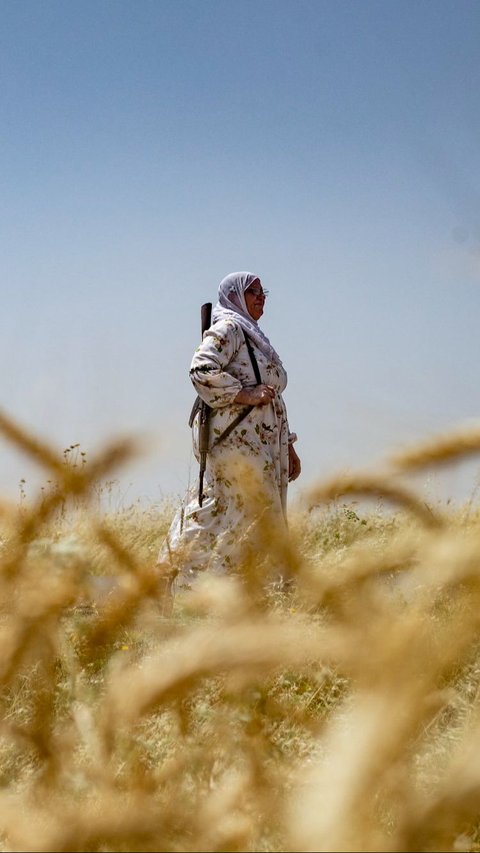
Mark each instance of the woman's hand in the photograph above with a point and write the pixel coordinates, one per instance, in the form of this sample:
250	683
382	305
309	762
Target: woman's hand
259	395
294	464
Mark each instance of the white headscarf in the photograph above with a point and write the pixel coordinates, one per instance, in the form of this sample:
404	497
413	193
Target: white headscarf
231	305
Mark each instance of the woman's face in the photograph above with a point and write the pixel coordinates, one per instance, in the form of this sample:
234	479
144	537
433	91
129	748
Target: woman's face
255	299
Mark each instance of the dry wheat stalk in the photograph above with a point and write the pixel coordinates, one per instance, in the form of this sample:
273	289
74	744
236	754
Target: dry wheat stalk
340	716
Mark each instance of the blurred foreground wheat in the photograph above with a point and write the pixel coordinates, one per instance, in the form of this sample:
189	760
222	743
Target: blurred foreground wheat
342	714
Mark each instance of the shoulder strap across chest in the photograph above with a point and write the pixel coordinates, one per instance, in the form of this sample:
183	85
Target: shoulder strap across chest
253	359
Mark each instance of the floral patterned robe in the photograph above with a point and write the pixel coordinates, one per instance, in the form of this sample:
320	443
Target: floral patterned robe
246	473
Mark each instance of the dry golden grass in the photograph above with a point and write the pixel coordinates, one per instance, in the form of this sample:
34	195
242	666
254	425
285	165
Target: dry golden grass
342	714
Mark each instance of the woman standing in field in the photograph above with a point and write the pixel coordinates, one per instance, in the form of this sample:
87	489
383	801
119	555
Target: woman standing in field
237	372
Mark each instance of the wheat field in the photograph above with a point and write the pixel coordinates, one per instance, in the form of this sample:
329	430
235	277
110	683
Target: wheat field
339	712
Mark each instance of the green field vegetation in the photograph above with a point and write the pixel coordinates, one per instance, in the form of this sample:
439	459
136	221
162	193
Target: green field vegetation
340	712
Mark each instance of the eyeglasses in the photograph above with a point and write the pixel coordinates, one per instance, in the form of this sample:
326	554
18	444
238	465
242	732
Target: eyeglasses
257	291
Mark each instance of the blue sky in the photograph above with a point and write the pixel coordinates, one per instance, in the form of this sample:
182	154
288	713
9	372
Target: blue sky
149	148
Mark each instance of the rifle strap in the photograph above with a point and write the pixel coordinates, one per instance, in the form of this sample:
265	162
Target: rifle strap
241	415
252	358
236	421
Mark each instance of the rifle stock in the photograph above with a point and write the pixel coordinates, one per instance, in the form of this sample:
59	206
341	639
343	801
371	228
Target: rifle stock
204	421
